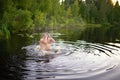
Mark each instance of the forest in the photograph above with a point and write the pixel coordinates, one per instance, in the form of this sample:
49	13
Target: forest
28	16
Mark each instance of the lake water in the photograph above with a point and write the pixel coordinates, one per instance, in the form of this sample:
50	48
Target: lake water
76	59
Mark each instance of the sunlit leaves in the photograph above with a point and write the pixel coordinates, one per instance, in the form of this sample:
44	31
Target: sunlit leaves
40	19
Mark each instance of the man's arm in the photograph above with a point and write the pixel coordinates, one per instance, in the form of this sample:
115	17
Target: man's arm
43	41
51	40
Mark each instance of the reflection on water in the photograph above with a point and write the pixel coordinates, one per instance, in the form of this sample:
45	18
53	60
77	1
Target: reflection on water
71	60
101	34
21	59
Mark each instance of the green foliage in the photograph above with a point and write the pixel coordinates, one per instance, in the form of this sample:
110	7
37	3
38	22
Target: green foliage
24	4
22	15
75	8
4	32
116	14
40	19
21	20
53	22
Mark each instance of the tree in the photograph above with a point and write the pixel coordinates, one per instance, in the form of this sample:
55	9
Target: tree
109	12
116	14
75	8
93	14
83	10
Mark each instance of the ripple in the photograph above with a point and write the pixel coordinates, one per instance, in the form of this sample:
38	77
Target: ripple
71	60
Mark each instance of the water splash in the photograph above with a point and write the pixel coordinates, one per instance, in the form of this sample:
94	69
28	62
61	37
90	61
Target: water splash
71	60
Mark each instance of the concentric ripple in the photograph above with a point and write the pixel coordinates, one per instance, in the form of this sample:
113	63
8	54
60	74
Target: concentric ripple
71	61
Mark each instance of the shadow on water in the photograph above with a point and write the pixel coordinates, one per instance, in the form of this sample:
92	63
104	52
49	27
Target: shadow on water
71	58
11	57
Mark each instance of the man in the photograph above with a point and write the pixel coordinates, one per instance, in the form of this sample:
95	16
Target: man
46	41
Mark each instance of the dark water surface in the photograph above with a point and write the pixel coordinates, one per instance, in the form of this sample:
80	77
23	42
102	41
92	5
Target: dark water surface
21	59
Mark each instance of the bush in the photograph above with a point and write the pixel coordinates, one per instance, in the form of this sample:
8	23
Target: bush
22	20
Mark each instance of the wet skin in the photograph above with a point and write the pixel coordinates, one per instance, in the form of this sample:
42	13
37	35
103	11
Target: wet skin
46	41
